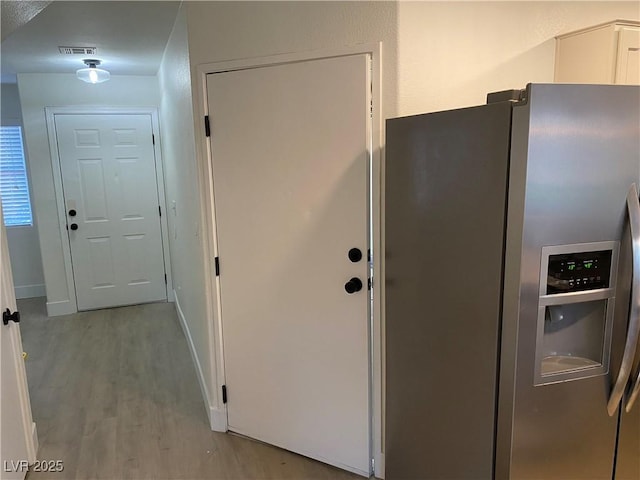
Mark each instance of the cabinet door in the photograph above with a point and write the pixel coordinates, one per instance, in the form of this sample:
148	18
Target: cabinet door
586	57
628	61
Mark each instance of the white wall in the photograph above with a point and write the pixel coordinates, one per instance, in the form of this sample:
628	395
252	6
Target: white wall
10	103
24	248
183	200
38	91
436	55
451	54
221	31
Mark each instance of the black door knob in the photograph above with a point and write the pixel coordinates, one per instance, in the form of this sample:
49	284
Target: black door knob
355	255
72	213
352	286
73	226
7	315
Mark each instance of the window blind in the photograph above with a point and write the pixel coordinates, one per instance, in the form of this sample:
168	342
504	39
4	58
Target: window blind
14	189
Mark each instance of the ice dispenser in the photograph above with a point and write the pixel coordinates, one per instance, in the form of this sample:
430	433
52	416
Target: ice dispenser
575	311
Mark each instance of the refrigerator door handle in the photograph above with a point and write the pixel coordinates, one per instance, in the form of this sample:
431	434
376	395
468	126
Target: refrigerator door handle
633	330
635	301
634	394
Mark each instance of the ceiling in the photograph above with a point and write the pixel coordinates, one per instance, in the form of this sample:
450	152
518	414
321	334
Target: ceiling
130	37
16	14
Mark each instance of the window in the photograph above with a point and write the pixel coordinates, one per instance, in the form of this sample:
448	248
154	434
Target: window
14	189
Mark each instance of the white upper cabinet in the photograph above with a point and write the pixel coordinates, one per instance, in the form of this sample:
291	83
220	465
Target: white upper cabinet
607	53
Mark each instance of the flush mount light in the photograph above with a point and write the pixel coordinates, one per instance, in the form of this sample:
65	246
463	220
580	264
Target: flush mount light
92	74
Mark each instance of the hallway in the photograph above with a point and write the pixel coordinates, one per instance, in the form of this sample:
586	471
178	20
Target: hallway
114	395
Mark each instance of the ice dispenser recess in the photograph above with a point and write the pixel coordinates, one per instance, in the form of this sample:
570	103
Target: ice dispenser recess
575	311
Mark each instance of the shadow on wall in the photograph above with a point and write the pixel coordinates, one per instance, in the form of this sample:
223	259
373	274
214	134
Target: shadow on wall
531	66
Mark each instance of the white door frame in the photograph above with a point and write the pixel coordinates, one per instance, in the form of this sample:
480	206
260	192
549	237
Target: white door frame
64	308
205	160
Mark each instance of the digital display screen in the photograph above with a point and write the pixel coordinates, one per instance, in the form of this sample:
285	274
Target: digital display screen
573	272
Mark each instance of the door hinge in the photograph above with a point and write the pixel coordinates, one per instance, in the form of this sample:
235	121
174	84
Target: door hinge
207	127
159	210
224	394
153	139
369	283
165	278
217	265
368	255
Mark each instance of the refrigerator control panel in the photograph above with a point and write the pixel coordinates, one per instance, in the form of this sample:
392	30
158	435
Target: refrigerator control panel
575	272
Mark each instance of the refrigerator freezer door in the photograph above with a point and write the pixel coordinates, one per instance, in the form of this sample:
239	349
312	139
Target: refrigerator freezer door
574	155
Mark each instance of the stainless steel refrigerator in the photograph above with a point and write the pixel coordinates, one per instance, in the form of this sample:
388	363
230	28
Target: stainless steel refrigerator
512	308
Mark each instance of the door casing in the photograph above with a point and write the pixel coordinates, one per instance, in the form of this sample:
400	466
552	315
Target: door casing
218	414
66	308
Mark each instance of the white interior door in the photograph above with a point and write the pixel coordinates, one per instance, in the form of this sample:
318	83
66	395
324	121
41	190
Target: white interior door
111	197
16	425
291	147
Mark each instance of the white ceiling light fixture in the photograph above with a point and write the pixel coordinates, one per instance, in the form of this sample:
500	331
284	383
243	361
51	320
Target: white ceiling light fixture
93	74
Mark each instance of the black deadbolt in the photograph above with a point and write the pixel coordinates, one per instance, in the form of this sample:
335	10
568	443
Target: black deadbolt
7	315
354	285
73	226
355	255
72	213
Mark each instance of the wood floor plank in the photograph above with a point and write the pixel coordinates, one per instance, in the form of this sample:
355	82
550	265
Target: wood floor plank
115	396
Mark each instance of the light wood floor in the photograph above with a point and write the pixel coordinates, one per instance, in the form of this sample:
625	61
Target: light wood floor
114	395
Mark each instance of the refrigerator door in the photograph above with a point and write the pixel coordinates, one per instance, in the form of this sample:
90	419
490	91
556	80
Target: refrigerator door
445	200
574	156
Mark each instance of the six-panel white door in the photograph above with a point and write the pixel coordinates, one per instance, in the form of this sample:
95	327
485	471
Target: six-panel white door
111	199
290	147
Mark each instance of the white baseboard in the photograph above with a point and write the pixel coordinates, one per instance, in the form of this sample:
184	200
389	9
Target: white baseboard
64	307
379	465
217	417
219	420
30	291
34	441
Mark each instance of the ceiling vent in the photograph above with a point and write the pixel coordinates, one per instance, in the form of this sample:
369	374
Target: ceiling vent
77	50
